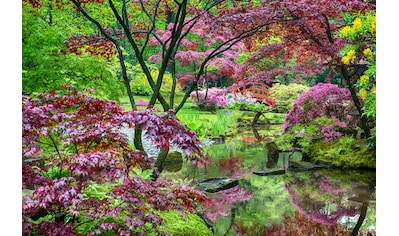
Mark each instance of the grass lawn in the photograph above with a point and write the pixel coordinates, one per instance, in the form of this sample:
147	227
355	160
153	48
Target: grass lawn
208	123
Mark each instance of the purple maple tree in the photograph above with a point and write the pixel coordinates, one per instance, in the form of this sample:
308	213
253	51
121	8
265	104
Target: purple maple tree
72	142
324	100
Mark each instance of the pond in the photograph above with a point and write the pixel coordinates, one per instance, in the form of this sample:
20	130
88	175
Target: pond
291	203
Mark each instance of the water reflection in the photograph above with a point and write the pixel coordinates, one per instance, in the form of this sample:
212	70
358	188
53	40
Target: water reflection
332	202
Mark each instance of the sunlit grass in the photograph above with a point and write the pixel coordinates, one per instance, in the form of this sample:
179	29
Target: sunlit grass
207	123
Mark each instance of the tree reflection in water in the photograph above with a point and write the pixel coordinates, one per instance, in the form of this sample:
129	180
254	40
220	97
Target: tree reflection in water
324	202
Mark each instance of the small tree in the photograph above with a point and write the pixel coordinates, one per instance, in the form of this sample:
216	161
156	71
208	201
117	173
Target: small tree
184	16
325	111
82	177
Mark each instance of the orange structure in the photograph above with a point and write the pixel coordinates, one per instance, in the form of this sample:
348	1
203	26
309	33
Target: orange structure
257	91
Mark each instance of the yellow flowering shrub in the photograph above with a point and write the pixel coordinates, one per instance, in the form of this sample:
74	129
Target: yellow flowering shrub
346	31
360	34
364	79
349	57
367	52
139	83
363	93
357	24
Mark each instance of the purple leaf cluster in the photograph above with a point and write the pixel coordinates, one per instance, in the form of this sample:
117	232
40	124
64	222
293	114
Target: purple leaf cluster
324	100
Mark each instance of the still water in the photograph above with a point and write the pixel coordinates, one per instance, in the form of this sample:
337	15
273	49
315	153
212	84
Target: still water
323	202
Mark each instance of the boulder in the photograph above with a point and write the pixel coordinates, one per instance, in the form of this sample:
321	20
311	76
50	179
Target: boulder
303	166
214	185
270	172
272	155
173	162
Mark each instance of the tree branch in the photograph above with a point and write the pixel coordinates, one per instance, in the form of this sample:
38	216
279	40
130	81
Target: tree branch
137	53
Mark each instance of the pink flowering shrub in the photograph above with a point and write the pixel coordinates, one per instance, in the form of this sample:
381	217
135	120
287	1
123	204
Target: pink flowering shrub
211	99
327	108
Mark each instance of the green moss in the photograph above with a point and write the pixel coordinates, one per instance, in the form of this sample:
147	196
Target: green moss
187	224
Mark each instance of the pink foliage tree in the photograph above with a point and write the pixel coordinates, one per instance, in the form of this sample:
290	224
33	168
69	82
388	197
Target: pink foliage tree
323	100
210	99
192	53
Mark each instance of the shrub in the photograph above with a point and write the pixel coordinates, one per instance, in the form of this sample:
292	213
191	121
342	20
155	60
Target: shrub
176	223
323	100
285	95
210	99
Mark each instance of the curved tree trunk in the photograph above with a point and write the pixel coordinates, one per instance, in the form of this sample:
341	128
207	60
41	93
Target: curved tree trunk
256	118
363	119
363	212
159	163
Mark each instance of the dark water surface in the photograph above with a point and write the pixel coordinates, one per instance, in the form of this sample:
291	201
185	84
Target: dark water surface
323	202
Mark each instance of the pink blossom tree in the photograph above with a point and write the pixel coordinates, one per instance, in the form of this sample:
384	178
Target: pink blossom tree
323	100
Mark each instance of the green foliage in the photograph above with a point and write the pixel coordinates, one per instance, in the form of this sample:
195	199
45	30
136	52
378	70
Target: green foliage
361	34
304	136
285	95
205	123
193	121
219	127
56	172
183	224
145	174
140	85
138	81
97	191
244	106
346	152
46	66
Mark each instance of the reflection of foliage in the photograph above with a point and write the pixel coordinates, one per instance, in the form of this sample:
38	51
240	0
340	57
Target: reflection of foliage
297	225
270	201
220	203
230	165
301	225
323	198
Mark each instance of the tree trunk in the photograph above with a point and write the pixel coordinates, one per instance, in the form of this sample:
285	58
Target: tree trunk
138	142
363	212
363	119
160	162
256	118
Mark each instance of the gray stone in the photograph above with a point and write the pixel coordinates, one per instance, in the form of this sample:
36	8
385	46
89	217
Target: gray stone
214	185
